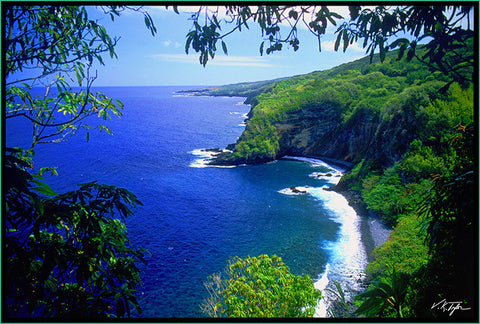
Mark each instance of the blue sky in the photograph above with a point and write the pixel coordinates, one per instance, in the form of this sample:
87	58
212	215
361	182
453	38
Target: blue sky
161	60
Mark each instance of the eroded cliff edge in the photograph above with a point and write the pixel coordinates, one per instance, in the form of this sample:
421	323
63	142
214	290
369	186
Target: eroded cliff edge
317	131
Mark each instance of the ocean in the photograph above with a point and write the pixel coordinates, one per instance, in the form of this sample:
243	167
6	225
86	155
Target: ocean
195	217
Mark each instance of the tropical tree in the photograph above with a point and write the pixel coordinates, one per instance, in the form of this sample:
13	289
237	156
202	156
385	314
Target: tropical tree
450	223
445	30
260	287
65	255
55	48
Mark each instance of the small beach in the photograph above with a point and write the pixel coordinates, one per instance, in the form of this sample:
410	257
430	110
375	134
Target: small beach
373	230
360	232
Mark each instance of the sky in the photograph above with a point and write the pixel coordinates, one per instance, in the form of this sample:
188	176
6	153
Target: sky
146	60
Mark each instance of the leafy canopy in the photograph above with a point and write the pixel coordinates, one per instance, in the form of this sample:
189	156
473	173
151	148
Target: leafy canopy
55	47
444	29
260	287
67	255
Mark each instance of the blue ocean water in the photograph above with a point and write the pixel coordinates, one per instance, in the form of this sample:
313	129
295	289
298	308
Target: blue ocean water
195	217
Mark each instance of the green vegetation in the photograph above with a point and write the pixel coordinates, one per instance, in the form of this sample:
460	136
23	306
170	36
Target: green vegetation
386	296
260	287
379	29
404	251
393	94
67	256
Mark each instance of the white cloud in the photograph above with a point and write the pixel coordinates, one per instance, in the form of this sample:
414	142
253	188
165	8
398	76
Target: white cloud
242	61
219	60
329	46
167	43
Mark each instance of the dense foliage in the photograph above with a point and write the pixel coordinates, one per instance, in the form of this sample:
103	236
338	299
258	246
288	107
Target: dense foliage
387	94
260	287
67	255
444	29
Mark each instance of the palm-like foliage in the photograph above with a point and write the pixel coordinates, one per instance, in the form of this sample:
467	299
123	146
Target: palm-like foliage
385	296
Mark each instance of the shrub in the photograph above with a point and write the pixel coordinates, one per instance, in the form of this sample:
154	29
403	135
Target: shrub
260	287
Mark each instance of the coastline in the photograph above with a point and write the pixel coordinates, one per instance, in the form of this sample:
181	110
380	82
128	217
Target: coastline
373	231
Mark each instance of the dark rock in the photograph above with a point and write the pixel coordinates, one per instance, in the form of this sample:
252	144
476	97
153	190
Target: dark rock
215	150
295	190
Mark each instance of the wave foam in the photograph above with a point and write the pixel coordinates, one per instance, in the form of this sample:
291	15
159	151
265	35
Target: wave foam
350	241
206	156
321	284
348	257
331	177
314	162
182	94
295	191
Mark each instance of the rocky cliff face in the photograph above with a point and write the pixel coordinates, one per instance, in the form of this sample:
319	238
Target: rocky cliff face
304	128
317	131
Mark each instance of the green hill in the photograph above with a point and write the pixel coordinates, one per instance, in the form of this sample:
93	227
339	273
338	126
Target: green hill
402	127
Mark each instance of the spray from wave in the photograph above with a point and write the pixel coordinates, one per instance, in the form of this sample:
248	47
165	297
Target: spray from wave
205	156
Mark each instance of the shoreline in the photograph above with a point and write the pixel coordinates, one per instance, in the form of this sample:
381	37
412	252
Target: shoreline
373	230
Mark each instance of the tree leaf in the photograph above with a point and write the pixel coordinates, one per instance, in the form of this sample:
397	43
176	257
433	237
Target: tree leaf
337	42
224	47
345	40
43	188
